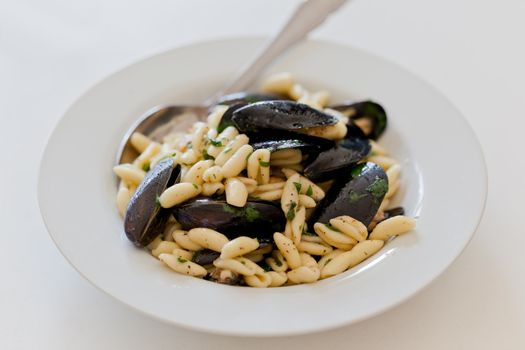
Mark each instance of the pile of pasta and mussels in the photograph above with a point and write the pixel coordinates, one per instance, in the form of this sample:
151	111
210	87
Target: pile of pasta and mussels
274	189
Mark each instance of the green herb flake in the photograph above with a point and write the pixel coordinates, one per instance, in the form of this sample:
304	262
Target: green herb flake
251	213
278	262
327	261
308	233
378	188
206	156
228	209
354	196
146	166
297	186
181	260
227	150
264	164
243	262
265	266
290	215
157	201
174	154
216	143
195	186
309	191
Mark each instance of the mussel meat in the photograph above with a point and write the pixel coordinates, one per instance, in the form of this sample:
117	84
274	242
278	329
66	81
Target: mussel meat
145	218
335	161
366	111
358	193
282	115
258	219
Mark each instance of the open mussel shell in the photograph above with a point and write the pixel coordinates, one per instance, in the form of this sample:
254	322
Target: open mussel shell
247	97
372	111
335	161
207	256
226	119
281	139
145	218
279	115
358	193
258	219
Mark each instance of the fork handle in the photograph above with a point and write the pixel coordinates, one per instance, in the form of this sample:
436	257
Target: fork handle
308	16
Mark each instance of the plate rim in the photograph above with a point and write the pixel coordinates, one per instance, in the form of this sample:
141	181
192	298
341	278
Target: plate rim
243	333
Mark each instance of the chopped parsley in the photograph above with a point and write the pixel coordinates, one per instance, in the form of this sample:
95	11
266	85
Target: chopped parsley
252	213
309	191
181	260
265	266
157	201
195	186
146	166
297	186
216	143
278	262
227	149
327	261
290	215
378	188
264	164
206	156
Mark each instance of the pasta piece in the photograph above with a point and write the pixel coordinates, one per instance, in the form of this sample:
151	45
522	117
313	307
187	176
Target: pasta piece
232	147
143	161
363	250
212	189
208	238
155	243
306	201
196	172
139	141
393	226
269	195
295	157
308	272
290	197
377	149
198	137
277	262
297	91
179	193
123	196
329	257
240	265
278	278
182	253
189	157
334	238
297	225
307	187
129	173
237	162
164	247
287	249
236	192
239	246
258	281
214	118
182	265
213	174
350	227
314	248
258	167
182	239
271	186
250	184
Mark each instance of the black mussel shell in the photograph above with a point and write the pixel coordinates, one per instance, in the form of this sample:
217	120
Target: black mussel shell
337	160
258	219
280	115
226	119
247	97
280	139
145	218
358	193
205	256
366	109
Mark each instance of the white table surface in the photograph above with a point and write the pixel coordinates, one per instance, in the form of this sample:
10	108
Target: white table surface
52	51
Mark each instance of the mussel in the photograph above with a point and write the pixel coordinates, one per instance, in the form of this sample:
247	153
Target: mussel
281	139
281	115
333	162
207	256
393	212
258	219
358	193
145	218
247	97
365	111
226	119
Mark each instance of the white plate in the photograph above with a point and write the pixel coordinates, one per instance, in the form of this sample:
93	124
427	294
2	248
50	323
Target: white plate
444	186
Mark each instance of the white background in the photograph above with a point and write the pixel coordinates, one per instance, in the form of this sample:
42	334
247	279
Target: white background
52	51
